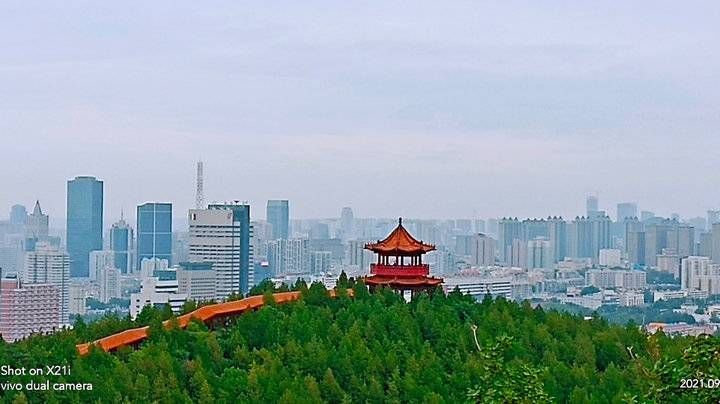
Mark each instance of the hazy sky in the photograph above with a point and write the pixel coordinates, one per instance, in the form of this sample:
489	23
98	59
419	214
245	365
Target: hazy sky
413	108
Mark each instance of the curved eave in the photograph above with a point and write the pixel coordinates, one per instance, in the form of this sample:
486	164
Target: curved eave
379	249
402	281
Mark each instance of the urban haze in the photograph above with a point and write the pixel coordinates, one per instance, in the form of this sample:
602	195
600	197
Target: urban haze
505	108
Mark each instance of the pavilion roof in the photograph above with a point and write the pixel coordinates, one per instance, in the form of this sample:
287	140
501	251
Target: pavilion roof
400	241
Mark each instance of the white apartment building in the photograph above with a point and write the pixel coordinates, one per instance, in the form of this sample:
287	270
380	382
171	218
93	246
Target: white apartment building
99	260
630	299
699	273
610	257
479	286
615	278
109	284
77	295
27	308
158	290
48	265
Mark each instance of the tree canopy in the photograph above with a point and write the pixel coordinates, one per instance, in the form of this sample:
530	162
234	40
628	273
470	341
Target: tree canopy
374	348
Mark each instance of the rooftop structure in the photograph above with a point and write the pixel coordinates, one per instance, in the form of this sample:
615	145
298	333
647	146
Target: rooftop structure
399	265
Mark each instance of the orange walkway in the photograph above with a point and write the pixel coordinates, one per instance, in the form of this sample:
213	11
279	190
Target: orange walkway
205	314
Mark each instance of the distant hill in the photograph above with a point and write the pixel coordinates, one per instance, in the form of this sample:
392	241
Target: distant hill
374	348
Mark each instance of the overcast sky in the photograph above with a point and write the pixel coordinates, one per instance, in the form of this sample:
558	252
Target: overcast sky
412	108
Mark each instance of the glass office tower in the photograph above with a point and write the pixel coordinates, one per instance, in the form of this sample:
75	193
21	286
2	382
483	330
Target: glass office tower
154	232
278	215
84	222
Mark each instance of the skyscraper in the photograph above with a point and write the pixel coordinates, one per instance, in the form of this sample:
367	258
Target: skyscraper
509	230
278	215
713	216
539	254
18	215
635	240
37	223
84	222
557	234
154	231
668	234
221	235
347	222
591	205
482	250
121	235
626	209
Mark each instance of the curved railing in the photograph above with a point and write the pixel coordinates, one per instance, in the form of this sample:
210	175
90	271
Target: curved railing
400	270
205	314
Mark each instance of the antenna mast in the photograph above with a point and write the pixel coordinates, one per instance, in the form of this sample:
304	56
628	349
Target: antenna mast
199	196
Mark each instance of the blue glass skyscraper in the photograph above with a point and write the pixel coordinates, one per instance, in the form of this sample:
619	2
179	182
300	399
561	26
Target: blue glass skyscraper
120	240
154	232
84	222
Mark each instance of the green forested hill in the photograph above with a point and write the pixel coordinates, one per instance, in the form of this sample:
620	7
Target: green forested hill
376	348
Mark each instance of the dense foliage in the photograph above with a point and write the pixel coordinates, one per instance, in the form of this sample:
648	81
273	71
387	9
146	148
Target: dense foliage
376	348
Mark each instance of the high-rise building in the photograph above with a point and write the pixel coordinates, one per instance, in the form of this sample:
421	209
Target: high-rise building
359	256
646	215
610	257
668	234
320	262
478	226
482	250
534	228
99	260
591	205
539	254
669	262
715	253
37	223
78	297
47	265
464	226
28	308
634	240
18	215
109	282
706	244
713	216
197	281
121	236
698	273
588	235
509	230
347	222
289	256
580	237
84	222
221	234
462	244
154	231
557	234
626	210
278	215
518	254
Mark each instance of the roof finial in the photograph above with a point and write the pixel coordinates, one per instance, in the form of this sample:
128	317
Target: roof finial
400	221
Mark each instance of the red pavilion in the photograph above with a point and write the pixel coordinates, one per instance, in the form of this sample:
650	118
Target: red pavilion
399	264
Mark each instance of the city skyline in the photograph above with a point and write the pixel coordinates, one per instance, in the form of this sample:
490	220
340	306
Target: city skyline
461	108
179	214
